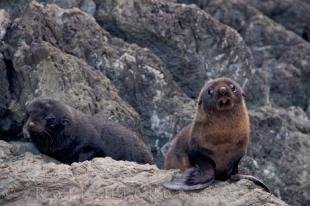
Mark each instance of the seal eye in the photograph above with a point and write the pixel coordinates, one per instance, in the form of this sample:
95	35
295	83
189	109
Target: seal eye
232	87
210	91
65	121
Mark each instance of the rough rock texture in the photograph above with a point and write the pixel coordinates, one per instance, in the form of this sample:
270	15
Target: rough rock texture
285	59
39	69
292	14
4	75
279	152
104	181
140	62
162	105
282	55
192	44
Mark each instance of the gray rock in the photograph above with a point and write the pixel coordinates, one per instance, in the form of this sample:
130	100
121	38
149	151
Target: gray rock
14	7
277	135
104	181
4	88
138	74
4	80
4	23
7	151
23	147
282	55
279	152
41	70
88	6
66	54
191	43
293	15
5	75
64	4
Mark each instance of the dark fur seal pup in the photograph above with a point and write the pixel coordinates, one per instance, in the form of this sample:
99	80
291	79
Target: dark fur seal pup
70	136
211	147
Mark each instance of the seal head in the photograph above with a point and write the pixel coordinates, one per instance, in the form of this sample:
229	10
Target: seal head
47	119
220	95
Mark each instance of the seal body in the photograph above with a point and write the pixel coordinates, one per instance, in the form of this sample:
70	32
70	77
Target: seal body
68	135
217	138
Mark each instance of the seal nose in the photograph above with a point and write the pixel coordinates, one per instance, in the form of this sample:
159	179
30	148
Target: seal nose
31	125
223	91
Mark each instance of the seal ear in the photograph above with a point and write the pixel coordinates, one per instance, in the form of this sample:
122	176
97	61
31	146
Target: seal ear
199	102
65	121
243	94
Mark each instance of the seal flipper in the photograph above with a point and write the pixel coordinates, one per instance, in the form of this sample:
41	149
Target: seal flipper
195	178
180	182
201	175
256	180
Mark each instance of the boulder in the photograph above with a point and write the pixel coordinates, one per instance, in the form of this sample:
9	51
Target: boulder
293	15
104	181
280	54
192	44
145	60
38	69
279	152
139	75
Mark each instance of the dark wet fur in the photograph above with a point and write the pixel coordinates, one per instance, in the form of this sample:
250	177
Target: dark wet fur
76	137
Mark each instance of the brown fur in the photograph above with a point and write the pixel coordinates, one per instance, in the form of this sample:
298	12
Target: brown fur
223	135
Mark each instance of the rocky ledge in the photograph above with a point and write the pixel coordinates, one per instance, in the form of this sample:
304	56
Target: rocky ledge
36	180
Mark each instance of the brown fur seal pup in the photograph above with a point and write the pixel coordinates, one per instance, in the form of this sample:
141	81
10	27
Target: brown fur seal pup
211	147
69	136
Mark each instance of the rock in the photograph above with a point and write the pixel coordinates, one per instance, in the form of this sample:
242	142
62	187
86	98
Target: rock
282	55
4	22
7	151
293	15
279	152
5	76
14	7
165	49
64	4
138	74
284	58
105	181
23	147
38	70
4	87
193	45
88	6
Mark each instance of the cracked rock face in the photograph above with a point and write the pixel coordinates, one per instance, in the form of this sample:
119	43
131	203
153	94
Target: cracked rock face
279	152
280	54
192	44
40	70
104	181
293	15
140	76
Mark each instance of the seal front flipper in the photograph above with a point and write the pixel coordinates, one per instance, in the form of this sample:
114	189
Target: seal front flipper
195	178
180	182
256	180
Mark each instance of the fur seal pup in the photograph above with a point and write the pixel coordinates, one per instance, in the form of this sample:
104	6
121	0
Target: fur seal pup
211	147
68	135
